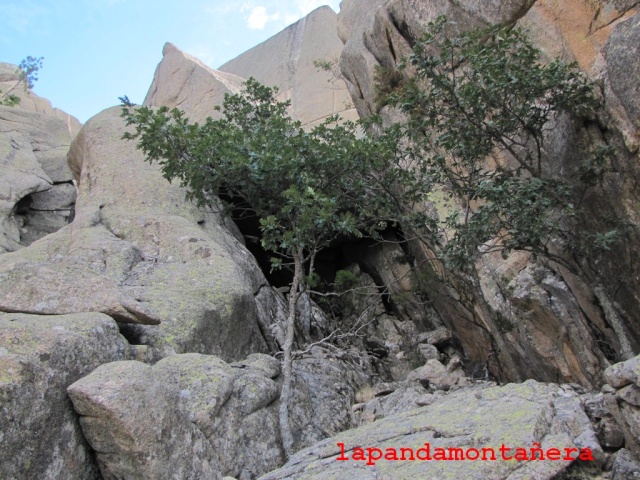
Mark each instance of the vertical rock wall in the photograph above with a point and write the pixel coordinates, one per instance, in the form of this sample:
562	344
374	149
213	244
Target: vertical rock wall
36	192
286	61
525	320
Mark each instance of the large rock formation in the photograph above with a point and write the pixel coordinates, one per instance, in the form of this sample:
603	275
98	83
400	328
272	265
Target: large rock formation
40	436
31	102
520	416
174	419
622	401
36	193
184	82
197	417
178	279
286	61
522	319
145	255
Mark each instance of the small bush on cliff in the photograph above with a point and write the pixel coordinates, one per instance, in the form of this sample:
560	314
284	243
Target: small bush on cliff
27	76
307	187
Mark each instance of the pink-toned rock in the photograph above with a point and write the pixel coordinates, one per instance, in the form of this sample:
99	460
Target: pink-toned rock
286	61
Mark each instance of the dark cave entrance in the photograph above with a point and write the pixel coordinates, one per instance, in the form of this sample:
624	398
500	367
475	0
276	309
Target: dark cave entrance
341	254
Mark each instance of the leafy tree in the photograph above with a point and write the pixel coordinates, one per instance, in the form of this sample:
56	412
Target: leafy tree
307	187
479	108
27	76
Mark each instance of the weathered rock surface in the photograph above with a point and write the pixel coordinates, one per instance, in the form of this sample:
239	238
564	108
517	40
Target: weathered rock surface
145	255
357	63
514	415
40	436
623	403
184	82
625	466
31	102
624	373
36	193
324	390
389	399
522	320
131	416
286	61
141	420
436	375
621	54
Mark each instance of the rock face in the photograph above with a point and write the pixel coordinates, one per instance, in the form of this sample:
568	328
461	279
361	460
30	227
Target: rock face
36	193
178	387
522	319
621	53
517	416
31	102
626	465
324	389
141	420
184	82
623	404
286	61
40	436
146	258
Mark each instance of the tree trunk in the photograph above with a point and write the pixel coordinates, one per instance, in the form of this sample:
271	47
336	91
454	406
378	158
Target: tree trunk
287	362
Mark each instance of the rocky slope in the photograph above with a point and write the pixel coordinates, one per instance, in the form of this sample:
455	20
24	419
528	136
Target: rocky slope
515	415
528	419
135	340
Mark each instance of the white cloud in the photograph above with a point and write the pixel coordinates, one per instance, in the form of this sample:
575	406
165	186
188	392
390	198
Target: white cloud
259	17
270	14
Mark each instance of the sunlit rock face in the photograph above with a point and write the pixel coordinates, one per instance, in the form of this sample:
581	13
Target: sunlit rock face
184	82
286	61
37	195
525	320
145	255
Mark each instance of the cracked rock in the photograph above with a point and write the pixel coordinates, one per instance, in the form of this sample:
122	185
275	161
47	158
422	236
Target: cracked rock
131	246
40	436
516	415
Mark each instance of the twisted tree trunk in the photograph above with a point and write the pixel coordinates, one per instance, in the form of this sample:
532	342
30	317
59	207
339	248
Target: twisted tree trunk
287	361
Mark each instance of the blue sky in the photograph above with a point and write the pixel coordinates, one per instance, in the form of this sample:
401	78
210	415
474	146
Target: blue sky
98	50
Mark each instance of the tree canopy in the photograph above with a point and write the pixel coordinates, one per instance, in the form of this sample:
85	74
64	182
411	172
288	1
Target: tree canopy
307	187
479	108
